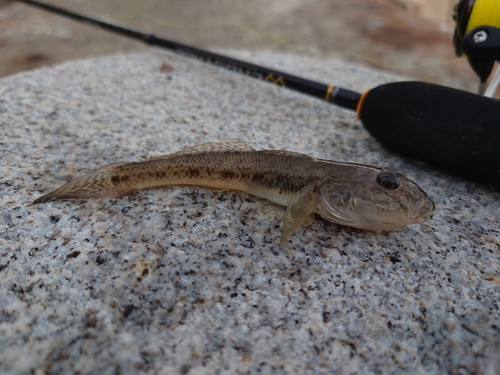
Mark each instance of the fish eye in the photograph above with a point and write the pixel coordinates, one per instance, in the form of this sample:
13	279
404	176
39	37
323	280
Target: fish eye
388	180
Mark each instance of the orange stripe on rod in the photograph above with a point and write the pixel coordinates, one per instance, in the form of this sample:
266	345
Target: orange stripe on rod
360	104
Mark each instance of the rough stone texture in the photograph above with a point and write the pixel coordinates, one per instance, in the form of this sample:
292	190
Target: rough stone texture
191	281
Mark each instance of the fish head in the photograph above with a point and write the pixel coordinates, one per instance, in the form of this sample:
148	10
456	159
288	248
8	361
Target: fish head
376	199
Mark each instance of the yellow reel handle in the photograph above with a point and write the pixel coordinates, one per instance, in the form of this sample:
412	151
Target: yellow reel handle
484	13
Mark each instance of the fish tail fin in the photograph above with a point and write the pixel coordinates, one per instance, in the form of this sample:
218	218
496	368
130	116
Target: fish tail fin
95	185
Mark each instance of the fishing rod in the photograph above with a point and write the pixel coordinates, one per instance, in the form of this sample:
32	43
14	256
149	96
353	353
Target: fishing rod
453	130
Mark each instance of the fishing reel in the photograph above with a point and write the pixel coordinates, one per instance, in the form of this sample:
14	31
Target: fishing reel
477	36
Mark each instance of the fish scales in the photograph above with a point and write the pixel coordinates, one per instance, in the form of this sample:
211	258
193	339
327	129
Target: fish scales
357	195
245	171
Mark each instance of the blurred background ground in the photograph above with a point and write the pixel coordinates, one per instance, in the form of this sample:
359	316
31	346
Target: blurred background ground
409	37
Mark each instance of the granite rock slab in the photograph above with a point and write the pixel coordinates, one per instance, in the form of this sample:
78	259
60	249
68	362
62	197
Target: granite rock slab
191	281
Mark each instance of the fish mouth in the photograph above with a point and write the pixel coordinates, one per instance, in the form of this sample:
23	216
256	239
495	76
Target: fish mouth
420	213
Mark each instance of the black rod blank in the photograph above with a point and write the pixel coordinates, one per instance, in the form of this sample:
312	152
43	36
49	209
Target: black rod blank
303	85
454	130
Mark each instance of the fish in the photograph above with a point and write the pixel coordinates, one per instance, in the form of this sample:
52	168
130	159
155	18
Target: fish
350	194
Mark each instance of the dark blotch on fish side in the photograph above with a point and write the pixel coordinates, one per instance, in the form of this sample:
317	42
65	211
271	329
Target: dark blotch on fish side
193	172
228	175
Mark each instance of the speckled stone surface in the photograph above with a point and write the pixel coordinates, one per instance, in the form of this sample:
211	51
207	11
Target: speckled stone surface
189	281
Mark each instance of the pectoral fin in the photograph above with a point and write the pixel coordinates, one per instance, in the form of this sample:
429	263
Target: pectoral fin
302	205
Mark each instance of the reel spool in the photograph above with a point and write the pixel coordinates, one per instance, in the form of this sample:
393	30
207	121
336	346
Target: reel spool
477	36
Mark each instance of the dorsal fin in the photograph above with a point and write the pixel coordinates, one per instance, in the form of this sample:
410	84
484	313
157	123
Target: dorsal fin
222	144
287	153
231	144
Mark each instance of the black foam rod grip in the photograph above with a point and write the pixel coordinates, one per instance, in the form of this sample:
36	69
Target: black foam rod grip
451	129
